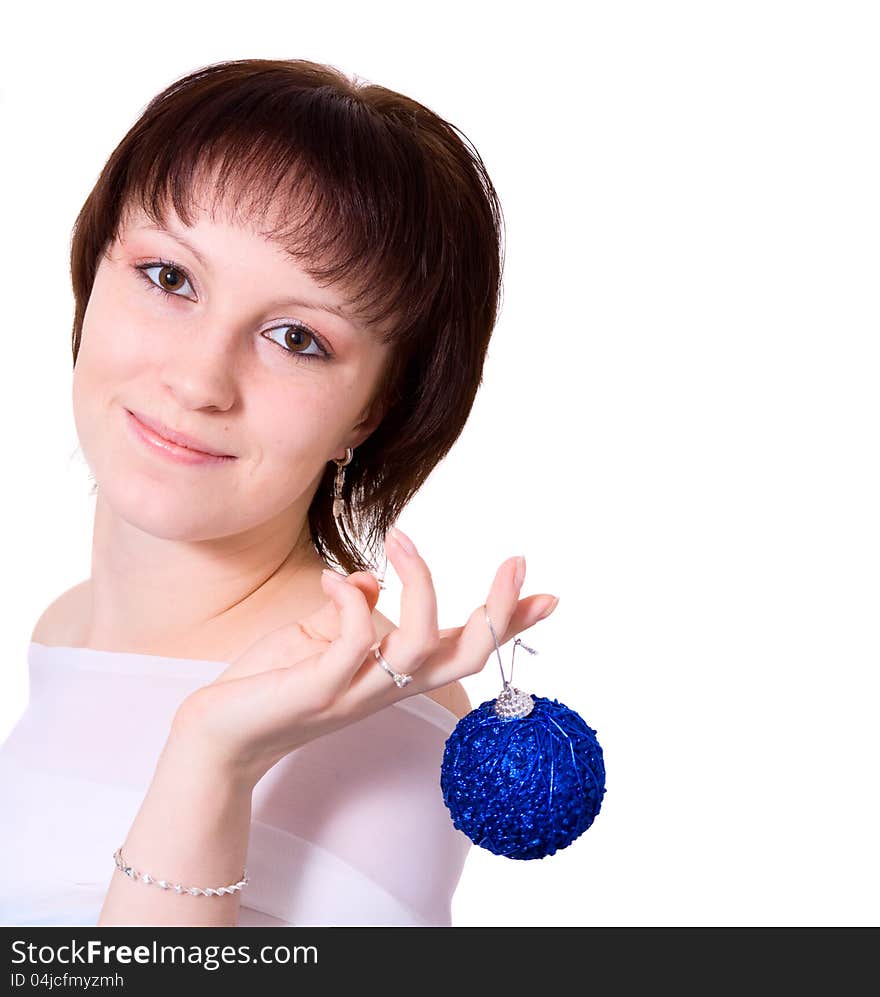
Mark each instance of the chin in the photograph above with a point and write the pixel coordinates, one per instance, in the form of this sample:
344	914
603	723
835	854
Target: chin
163	510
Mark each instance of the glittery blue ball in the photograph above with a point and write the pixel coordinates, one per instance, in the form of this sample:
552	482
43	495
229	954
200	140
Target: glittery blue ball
523	787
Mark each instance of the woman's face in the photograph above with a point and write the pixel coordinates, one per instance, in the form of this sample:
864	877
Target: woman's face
225	341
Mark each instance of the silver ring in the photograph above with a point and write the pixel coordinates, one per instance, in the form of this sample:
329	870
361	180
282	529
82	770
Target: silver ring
400	680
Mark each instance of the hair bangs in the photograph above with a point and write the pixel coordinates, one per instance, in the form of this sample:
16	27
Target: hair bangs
343	210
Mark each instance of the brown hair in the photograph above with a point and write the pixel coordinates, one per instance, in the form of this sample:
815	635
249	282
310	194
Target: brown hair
369	189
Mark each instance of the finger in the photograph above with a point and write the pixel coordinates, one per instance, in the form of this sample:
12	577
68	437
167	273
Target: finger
357	633
466	650
407	646
418	632
477	642
528	612
469	656
368	583
324	623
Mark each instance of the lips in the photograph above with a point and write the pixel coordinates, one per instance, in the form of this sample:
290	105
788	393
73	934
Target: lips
190	442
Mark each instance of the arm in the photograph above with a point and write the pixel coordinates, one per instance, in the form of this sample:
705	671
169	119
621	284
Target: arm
294	684
192	828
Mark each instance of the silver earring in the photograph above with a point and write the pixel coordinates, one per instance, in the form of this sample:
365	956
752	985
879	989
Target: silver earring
338	503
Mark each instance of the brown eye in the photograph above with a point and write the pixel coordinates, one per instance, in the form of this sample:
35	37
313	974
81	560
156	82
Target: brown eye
295	339
171	278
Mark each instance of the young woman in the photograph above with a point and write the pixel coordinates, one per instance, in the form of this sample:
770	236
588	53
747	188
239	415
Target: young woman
285	285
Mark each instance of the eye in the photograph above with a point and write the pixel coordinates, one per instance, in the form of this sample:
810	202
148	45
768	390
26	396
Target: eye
292	340
170	279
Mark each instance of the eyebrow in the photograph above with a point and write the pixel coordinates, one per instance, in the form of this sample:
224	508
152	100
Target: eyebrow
276	303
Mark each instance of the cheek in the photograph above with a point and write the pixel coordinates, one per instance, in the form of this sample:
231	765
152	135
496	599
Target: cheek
115	337
297	425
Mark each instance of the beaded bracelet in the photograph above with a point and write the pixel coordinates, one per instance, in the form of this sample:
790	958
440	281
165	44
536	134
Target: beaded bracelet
163	884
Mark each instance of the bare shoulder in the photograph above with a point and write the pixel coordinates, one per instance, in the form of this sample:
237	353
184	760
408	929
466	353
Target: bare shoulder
58	622
452	696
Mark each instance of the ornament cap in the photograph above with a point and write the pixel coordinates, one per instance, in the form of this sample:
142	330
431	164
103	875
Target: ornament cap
512	703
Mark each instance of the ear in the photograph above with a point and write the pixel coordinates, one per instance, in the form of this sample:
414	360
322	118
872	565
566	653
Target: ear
371	419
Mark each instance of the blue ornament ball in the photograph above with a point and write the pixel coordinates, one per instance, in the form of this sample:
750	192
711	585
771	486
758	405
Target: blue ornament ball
523	787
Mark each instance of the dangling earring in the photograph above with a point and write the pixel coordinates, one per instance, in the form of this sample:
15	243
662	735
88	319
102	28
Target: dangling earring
338	503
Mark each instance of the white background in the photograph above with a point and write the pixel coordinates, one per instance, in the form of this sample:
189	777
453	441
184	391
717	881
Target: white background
677	427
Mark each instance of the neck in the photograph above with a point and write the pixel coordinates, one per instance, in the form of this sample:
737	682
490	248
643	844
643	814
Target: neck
196	598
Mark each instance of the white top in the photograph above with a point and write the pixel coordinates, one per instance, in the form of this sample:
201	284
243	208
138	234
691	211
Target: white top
350	829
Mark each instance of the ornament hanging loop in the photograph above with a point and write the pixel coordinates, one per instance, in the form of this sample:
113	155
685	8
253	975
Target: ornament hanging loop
510	702
517	642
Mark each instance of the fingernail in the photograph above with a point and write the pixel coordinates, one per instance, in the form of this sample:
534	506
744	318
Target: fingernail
333	574
520	575
402	539
549	609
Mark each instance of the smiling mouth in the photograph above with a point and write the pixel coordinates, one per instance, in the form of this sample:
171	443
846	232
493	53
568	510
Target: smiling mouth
168	435
171	449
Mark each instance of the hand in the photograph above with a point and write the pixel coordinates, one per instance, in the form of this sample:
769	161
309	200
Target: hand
318	674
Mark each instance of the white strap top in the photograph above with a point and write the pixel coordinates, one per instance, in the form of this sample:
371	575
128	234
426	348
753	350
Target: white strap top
350	829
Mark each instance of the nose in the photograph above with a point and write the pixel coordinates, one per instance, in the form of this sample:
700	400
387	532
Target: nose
201	372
